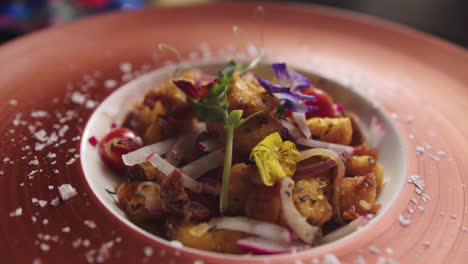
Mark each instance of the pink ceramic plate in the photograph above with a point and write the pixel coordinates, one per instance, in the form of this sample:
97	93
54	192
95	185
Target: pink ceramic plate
52	81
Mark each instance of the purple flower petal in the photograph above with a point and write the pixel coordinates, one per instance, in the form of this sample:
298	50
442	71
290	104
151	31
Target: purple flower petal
298	81
298	107
293	97
306	97
188	87
282	74
271	87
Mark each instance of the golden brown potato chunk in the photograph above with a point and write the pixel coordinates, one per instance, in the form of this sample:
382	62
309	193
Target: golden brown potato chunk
223	241
263	203
362	165
310	199
334	130
239	187
249	96
358	194
311	162
249	134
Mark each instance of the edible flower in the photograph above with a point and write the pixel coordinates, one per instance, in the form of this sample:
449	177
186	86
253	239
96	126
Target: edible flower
275	159
285	91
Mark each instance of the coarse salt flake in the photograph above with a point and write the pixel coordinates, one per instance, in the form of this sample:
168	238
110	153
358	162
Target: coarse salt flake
78	98
90	224
441	153
45	247
330	259
55	202
110	84
404	220
126	67
42	203
66	191
13	102
17	212
419	149
70	161
66	229
148	251
374	250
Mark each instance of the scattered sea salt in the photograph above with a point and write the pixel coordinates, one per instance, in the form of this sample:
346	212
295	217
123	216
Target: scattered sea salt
418	182
71	161
126	67
442	213
389	251
148	251
90	224
330	259
110	84
374	250
51	187
13	102
410	210
45	222
55	202
431	156
404	220
66	191
51	155
421	209
17	212
78	98
44	247
39	114
42	203
410	119
441	153
66	229
419	150
427	244
414	199
454	216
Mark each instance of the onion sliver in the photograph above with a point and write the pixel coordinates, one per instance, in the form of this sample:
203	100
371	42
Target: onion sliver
339	175
262	246
319	167
204	164
301	121
167	168
345	230
292	129
138	156
250	226
210	145
295	220
322	144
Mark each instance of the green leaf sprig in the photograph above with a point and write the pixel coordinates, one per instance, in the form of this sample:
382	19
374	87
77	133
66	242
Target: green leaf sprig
214	107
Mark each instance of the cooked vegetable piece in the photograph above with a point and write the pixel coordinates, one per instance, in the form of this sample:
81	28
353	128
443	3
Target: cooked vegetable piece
310	198
264	203
357	194
334	130
216	240
360	165
116	143
239	187
141	201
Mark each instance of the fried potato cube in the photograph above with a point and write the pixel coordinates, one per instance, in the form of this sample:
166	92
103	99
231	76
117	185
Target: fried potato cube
249	134
223	241
310	199
358	194
334	130
250	96
239	187
360	165
264	203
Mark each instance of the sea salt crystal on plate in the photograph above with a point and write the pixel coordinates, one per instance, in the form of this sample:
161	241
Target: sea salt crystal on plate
71	161
330	259
66	191
42	203
13	102
55	202
148	251
404	220
78	98
126	67
90	224
419	149
110	84
17	212
66	229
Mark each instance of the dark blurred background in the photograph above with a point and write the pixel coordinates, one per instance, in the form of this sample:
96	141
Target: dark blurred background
446	19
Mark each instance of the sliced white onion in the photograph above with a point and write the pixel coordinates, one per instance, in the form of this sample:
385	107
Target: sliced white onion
262	246
322	144
376	133
138	156
339	175
204	164
167	168
301	121
292	129
247	225
210	145
319	167
345	230
295	220
175	154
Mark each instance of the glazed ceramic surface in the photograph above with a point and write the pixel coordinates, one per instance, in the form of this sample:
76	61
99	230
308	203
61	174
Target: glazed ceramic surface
53	81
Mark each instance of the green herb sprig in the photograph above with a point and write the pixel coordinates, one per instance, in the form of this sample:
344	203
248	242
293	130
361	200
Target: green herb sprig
214	107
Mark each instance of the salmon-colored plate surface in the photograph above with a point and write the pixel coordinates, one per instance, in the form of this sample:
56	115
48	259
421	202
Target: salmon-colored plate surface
51	81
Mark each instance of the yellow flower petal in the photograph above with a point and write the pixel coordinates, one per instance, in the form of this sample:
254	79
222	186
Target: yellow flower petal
275	159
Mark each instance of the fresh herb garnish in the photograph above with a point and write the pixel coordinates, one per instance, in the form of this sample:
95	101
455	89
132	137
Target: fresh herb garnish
214	107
